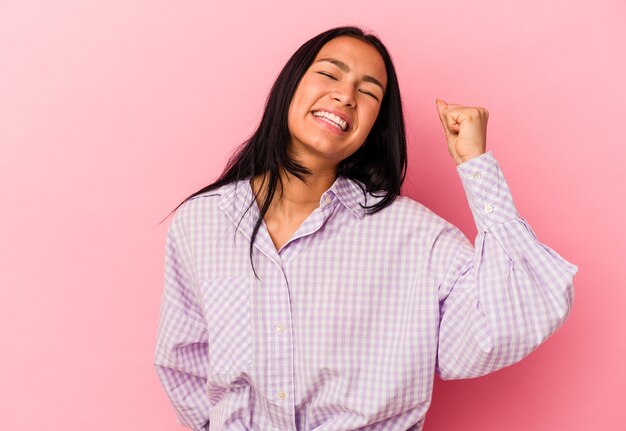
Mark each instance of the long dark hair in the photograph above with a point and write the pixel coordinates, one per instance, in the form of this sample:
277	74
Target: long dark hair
379	164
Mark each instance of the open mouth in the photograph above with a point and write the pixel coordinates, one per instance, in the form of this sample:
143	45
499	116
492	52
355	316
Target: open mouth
332	119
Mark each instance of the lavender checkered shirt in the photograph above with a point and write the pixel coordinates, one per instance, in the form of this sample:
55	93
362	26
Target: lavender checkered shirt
354	315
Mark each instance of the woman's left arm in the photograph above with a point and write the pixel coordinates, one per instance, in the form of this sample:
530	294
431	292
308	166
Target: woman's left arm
500	299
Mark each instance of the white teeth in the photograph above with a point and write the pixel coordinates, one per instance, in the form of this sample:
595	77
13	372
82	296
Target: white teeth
334	120
332	123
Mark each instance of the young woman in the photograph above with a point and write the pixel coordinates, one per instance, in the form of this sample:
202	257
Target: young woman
302	292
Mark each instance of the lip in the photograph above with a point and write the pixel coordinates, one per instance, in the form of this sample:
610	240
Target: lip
343	116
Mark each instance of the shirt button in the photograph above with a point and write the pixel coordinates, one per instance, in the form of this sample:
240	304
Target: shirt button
279	328
282	395
476	176
488	209
326	200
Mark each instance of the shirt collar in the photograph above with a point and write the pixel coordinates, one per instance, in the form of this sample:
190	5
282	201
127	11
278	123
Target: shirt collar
237	196
349	194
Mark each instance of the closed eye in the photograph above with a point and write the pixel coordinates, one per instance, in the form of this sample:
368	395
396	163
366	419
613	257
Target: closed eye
327	74
362	91
369	94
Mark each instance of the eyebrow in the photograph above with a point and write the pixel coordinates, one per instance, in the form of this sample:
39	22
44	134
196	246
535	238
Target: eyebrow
343	66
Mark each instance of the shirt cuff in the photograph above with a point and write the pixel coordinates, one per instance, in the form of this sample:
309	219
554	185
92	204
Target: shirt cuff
487	192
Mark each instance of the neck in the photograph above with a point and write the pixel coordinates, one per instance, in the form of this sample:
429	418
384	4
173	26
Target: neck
296	199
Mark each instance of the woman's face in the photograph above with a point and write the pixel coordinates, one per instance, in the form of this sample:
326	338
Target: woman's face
336	103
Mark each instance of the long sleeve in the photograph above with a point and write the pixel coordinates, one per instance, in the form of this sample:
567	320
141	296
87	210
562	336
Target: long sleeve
500	299
181	354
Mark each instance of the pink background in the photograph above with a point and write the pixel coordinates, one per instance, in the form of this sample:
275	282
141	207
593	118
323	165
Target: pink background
111	112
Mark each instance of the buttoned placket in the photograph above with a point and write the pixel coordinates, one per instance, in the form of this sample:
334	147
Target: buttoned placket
281	329
275	292
280	378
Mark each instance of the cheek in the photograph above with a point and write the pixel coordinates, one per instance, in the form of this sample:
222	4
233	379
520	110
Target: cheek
371	117
294	113
307	92
297	105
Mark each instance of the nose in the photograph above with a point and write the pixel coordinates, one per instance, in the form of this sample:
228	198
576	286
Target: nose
344	94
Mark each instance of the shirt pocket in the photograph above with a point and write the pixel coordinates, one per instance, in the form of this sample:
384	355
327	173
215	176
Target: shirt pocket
228	321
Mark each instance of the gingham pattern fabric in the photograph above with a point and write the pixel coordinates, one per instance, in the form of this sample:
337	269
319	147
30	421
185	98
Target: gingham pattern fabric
354	315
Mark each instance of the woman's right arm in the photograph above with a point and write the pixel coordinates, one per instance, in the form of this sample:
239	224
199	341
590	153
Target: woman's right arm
181	354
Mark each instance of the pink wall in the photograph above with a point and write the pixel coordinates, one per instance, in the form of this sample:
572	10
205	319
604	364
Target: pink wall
112	112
